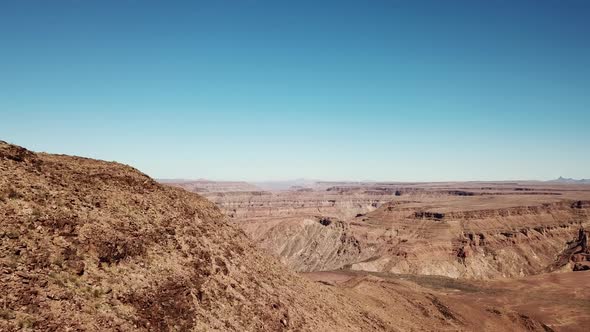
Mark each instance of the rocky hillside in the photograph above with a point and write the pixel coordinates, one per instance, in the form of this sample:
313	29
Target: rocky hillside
88	245
93	245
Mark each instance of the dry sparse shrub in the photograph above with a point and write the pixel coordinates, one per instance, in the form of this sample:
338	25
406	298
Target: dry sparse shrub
115	250
165	307
9	193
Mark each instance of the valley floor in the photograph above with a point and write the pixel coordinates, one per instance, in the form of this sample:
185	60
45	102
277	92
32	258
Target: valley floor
560	300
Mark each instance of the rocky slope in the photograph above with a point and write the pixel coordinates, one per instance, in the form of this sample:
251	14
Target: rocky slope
88	245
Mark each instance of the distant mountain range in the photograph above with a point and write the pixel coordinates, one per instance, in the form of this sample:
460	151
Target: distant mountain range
561	179
203	185
286	184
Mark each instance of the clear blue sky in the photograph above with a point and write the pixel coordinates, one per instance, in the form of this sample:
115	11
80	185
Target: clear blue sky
258	90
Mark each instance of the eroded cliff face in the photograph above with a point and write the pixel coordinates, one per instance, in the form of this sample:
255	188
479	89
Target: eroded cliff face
480	232
312	244
576	254
308	230
489	243
260	205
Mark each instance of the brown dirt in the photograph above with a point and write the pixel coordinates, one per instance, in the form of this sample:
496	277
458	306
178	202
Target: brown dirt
560	300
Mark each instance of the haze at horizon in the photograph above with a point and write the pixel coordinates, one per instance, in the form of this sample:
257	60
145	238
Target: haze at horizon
270	90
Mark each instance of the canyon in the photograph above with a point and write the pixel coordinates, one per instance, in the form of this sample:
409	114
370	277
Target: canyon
477	233
473	230
90	245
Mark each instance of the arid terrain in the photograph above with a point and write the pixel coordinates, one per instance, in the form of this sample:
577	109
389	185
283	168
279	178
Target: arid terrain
501	239
561	300
88	245
294	166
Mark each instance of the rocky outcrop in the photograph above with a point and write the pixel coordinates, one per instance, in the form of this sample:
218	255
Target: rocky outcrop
576	254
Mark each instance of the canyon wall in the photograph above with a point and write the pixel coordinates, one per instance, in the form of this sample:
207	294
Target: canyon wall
459	230
489	243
